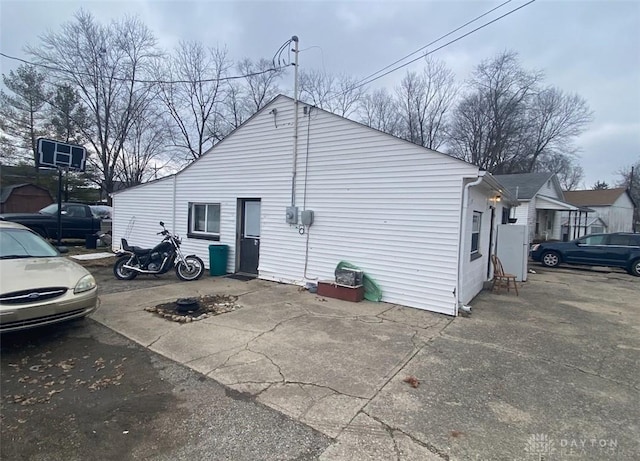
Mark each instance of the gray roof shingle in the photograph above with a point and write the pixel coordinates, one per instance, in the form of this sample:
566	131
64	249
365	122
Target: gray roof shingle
523	186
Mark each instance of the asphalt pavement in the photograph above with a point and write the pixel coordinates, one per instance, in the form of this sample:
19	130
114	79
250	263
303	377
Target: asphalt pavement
80	391
551	374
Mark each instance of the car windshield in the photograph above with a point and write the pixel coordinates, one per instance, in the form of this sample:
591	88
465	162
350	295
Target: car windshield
22	243
51	209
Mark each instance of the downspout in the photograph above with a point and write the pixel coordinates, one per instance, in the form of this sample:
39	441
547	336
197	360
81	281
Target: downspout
463	226
173	216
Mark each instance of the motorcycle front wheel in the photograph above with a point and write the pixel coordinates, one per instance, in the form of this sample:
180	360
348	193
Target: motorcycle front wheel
121	272
191	268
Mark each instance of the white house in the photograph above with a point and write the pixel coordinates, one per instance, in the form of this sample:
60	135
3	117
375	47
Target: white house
611	209
542	203
417	221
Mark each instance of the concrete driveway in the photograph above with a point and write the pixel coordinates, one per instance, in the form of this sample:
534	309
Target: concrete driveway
551	374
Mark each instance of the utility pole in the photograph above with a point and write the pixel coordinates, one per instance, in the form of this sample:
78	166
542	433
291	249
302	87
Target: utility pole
634	227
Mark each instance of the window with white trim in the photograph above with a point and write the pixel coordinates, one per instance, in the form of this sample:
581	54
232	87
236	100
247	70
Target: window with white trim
475	234
204	221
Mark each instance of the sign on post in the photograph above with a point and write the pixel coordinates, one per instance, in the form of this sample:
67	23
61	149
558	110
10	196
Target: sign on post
55	154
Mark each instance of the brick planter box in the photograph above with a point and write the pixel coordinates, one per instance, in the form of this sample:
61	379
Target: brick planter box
345	293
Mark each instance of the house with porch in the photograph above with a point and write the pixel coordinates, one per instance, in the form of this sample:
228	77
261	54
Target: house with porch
611	209
542	206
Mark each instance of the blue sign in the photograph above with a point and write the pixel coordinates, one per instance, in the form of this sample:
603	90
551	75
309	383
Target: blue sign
54	154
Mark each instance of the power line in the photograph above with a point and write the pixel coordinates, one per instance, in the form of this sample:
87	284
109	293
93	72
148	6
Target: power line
162	82
437	40
368	80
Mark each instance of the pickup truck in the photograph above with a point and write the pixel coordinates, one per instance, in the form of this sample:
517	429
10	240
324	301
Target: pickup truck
78	221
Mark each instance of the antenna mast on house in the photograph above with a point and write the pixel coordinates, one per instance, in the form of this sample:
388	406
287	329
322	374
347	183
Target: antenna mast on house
294	39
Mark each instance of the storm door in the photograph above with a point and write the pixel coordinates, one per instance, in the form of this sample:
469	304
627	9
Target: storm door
249	227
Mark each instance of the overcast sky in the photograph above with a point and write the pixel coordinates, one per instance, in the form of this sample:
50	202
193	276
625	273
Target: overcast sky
588	47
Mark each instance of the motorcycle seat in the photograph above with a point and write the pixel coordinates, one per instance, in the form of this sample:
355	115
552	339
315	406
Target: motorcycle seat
134	249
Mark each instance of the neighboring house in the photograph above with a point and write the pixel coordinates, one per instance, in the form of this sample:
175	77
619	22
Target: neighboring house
612	209
24	198
542	203
417	221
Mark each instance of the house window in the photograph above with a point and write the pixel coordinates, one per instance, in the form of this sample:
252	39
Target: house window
597	229
204	221
475	235
506	214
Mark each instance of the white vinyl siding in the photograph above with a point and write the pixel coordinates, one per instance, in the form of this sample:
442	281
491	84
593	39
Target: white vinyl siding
383	204
474	270
137	213
549	189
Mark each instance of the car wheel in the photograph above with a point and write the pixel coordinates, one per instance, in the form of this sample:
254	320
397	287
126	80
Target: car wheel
121	272
550	259
635	267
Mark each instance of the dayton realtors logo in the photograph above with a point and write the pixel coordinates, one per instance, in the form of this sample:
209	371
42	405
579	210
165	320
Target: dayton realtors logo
540	446
543	447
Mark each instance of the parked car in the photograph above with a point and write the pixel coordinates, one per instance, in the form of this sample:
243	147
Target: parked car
39	286
613	250
77	219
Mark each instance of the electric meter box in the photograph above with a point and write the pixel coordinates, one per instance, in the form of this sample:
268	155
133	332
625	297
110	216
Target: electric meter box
306	217
292	215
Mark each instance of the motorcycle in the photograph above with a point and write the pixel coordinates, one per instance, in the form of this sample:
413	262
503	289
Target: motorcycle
133	260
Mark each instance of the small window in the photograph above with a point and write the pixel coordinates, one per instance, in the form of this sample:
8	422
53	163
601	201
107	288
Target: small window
475	234
74	211
592	240
620	240
597	229
204	221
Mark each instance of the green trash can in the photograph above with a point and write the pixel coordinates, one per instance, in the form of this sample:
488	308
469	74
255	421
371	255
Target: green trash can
218	259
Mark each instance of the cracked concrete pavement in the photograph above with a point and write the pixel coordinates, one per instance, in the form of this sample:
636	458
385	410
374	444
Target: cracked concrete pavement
559	361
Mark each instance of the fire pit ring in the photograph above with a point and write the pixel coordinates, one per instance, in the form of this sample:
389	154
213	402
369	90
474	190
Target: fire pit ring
187	304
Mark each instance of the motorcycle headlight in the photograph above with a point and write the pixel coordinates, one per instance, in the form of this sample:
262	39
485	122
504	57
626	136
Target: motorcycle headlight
86	283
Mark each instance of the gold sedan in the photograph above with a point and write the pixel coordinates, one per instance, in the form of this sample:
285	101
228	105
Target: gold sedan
38	286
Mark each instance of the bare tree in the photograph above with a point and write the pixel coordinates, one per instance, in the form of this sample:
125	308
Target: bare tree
22	112
109	66
470	134
507	123
248	95
338	94
145	150
379	110
568	172
193	92
555	119
498	95
424	101
260	81
630	179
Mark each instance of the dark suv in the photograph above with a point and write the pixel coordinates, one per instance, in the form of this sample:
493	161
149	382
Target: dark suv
613	250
